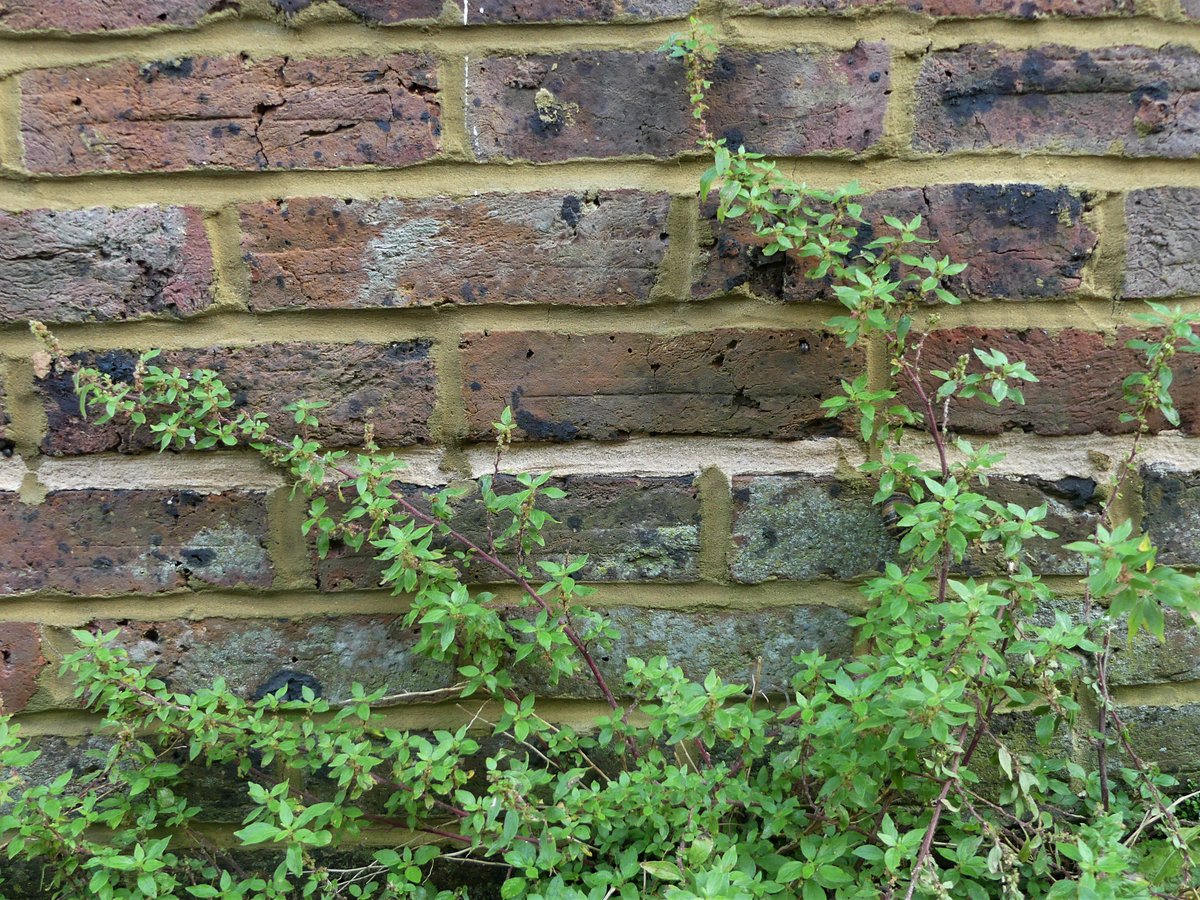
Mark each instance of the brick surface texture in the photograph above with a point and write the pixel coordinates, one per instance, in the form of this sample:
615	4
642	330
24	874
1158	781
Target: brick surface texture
422	212
565	387
612	103
588	248
103	264
231	112
391	385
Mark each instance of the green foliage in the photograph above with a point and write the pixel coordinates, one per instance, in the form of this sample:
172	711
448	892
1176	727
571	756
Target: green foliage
930	764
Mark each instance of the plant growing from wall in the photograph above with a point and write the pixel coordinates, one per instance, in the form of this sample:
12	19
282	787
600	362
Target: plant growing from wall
886	775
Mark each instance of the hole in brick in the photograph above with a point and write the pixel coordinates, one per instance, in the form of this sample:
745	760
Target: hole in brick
151	634
528	354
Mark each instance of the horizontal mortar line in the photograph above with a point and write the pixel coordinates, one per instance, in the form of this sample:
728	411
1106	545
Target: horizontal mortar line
1167	693
417	716
912	33
261	39
665	319
58	611
213	190
906	31
1049	457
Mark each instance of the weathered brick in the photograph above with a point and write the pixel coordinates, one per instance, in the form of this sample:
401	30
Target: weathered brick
590	249
386	12
1072	511
1191	9
6	445
391	385
1079	386
1171	504
803	527
632	529
606	386
21	663
518	11
1150	661
258	656
604	103
92	542
231	112
81	16
1125	101
78	16
1166	735
959	9
1020	241
330	653
103	264
1162	252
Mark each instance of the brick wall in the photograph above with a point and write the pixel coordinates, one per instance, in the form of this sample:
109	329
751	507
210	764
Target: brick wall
422	212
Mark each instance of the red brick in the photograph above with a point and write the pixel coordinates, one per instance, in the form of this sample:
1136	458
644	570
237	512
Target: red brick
78	16
21	662
631	529
391	385
231	112
1020	241
1162	251
103	264
518	11
616	103
607	386
959	9
1080	374
94	542
588	249
1126	101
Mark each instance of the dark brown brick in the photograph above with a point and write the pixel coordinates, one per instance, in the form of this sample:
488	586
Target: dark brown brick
21	664
78	16
518	11
1162	253
959	9
94	542
607	386
103	264
1072	512
1020	241
230	112
589	249
1124	101
391	385
801	527
632	529
387	12
617	103
1080	374
6	446
1171	504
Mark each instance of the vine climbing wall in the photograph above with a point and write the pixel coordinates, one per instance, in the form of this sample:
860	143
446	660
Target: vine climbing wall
424	212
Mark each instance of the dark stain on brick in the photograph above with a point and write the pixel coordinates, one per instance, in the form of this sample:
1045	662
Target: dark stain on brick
571	209
293	681
171	68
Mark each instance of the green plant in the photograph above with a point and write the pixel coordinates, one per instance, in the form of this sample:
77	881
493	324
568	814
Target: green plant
884	775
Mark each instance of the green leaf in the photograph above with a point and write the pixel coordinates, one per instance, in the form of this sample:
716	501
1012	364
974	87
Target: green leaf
662	870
